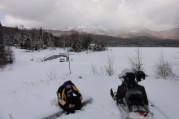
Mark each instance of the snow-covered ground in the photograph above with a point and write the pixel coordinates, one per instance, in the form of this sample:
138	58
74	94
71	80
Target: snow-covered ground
28	87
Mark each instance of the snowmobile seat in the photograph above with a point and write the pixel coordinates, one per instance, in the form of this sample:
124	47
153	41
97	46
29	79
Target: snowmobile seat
134	97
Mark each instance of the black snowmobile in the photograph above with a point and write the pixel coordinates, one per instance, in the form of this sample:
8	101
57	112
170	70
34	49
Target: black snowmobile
131	98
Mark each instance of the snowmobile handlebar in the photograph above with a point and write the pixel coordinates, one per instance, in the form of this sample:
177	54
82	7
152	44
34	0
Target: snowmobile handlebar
139	75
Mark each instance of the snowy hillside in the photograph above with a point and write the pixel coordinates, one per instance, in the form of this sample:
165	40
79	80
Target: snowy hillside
28	87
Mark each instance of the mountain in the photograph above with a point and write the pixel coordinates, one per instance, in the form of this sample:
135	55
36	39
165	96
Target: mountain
169	34
172	34
95	30
166	34
84	29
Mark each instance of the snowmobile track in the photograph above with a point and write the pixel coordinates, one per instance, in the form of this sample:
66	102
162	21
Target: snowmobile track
158	109
60	113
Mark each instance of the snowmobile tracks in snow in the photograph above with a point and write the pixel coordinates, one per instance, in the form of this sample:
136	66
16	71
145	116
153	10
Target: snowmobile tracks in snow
60	113
55	115
165	116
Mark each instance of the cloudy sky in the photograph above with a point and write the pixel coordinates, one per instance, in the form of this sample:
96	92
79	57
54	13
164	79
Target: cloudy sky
109	14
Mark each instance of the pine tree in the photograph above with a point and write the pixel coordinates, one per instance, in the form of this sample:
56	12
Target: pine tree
2	50
76	46
6	55
1	36
87	41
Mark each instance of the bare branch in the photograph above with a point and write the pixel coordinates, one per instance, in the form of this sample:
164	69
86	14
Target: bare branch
109	66
163	69
136	61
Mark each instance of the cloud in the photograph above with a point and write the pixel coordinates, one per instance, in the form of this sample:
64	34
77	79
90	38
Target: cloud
111	14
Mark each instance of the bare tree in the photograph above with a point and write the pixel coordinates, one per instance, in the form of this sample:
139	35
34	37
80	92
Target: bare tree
10	115
51	75
163	69
9	55
94	69
136	61
109	66
69	66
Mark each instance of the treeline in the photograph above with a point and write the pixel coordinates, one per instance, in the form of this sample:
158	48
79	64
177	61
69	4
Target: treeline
36	39
142	41
30	39
79	41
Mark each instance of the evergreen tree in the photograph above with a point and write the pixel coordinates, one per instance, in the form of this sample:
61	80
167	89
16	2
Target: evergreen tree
87	41
6	55
1	37
99	46
27	44
76	46
2	50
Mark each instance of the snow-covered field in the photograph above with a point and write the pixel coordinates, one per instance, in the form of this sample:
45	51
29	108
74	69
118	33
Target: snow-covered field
28	87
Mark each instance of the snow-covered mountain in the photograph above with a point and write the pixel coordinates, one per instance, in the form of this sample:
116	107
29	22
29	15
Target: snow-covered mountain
84	29
166	34
130	33
95	30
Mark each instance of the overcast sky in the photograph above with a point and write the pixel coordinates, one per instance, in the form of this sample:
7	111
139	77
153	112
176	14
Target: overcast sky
109	14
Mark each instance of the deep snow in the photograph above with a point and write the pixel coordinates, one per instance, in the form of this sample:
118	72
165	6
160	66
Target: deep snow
28	87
